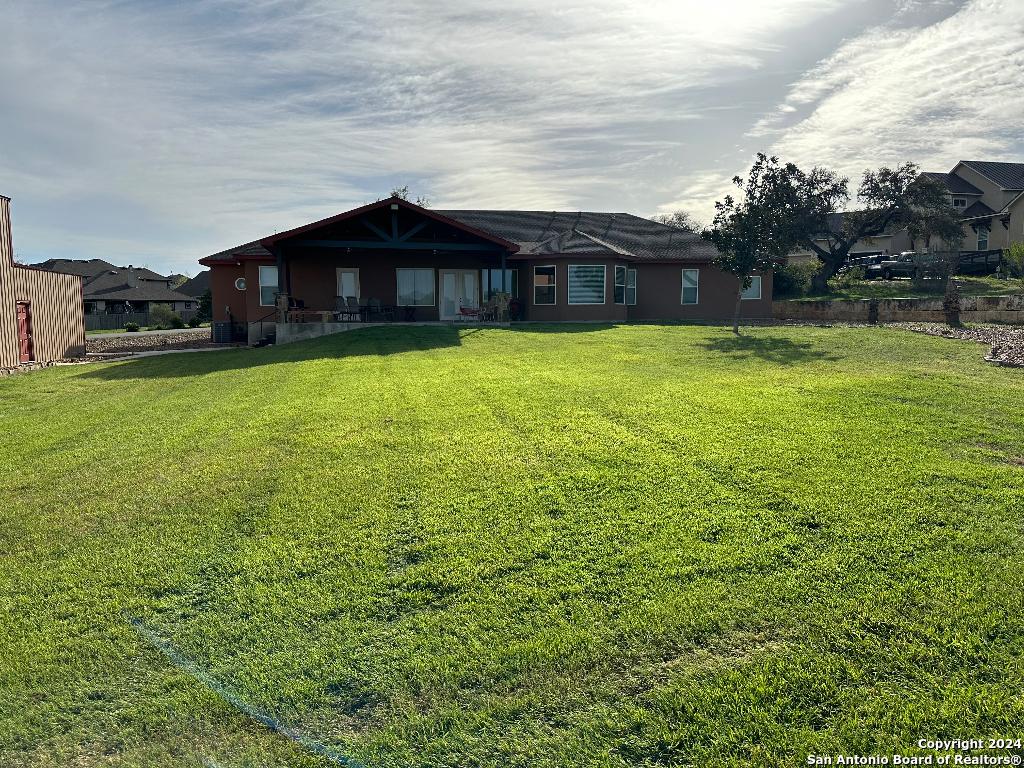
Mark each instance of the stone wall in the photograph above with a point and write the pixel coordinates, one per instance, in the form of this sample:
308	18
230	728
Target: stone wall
973	309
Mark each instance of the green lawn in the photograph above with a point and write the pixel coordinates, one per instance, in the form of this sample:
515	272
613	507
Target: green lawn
909	289
550	546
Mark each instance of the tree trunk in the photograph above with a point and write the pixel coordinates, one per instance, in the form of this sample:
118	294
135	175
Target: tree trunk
819	283
739	303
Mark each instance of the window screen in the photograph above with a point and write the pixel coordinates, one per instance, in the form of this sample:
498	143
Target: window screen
543	285
268	286
690	286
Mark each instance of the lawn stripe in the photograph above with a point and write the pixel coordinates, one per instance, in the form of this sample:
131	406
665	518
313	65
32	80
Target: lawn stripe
182	663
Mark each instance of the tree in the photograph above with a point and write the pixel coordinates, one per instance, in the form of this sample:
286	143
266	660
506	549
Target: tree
892	198
402	193
1013	261
205	309
750	233
680	220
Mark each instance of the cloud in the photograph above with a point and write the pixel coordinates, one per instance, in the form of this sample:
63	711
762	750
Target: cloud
951	91
184	127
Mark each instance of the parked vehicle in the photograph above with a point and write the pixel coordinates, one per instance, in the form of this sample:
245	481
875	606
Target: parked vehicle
899	266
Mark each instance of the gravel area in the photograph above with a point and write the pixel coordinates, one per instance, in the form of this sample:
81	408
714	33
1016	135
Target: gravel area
127	344
1006	341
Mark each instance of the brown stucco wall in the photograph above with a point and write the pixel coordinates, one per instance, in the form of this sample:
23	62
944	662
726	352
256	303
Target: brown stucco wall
659	289
562	310
313	278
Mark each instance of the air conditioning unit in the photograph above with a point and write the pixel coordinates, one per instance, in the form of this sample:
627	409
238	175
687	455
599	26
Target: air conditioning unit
222	333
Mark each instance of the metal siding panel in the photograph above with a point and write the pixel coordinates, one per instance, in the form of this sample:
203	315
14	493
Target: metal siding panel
58	317
9	356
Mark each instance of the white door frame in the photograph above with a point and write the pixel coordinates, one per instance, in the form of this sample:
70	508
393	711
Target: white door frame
459	299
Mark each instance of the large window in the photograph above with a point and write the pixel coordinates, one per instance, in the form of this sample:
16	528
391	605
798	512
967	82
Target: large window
631	286
348	282
620	285
586	283
689	286
982	238
544	285
415	287
754	291
268	286
492	282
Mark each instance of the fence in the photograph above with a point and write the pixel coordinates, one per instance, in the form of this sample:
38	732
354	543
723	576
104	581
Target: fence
111	322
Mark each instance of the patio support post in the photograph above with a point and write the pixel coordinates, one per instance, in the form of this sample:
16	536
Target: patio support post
503	270
280	269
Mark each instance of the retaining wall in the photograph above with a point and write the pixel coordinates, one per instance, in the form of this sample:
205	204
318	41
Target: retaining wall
973	309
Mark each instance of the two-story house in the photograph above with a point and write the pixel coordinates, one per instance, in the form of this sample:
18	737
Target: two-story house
991	196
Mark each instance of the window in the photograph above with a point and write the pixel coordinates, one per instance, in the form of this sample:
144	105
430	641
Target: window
631	286
268	286
188	305
959	202
492	282
982	238
544	285
586	283
240	283
90	307
689	286
415	287
754	291
348	282
620	285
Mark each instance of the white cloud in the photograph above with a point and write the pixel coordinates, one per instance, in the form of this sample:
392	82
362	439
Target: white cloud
195	125
950	91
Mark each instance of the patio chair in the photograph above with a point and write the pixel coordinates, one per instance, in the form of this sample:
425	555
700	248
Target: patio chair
381	311
353	309
487	311
340	308
465	313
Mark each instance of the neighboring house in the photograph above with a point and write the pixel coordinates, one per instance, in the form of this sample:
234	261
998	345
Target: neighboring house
196	286
40	310
559	266
117	290
991	197
879	245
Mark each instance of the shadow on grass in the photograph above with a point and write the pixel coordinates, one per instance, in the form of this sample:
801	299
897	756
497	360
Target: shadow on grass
774	349
390	340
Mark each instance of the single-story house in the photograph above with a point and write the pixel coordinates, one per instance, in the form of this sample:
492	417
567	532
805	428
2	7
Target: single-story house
430	264
196	286
40	310
885	244
116	290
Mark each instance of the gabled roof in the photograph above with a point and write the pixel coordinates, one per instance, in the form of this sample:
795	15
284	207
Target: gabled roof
954	183
145	290
94	267
197	286
532	233
551	232
1007	175
977	208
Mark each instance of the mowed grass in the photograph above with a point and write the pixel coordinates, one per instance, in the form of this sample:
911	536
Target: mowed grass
549	546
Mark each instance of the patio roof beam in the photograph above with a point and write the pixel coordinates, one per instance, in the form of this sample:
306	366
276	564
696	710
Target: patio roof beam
398	245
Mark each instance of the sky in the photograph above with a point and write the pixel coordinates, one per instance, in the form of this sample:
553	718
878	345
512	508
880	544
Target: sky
158	132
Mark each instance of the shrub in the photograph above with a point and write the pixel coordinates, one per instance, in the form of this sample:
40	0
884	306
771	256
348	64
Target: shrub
162	316
131	327
794	278
846	279
177	322
205	310
1013	261
194	321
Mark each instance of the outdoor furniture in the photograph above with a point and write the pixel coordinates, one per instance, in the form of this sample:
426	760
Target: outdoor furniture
465	313
374	307
355	312
297	310
340	308
410	314
486	313
515	310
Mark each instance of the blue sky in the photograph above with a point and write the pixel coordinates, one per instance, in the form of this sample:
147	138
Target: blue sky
159	132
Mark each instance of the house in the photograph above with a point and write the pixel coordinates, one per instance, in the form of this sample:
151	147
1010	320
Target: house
557	266
991	197
40	310
886	244
119	290
196	286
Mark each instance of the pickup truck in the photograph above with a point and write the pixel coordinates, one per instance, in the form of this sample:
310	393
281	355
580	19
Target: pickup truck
903	265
